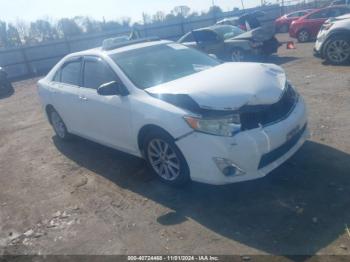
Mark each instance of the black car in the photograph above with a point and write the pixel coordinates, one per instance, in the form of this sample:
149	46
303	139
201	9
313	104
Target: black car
5	84
230	43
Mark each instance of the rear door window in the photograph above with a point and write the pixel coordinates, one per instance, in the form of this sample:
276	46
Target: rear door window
293	15
188	38
205	36
70	73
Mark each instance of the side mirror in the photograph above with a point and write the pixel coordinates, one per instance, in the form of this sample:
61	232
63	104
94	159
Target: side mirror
213	56
111	89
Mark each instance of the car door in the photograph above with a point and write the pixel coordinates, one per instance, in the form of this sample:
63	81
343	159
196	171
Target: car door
65	88
106	118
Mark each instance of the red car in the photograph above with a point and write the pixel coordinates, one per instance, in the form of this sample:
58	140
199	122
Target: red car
282	23
307	27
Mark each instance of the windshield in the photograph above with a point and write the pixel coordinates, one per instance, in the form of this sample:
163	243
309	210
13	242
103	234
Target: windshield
154	65
227	32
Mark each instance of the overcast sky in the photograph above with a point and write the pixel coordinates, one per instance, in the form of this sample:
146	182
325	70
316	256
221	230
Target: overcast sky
29	10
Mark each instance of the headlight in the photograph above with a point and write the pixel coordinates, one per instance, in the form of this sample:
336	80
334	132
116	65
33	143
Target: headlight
222	126
327	26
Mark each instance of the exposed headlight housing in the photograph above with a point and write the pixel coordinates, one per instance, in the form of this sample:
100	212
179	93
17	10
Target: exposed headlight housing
219	126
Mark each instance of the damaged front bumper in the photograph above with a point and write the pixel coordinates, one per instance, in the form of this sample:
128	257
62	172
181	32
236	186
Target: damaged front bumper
248	155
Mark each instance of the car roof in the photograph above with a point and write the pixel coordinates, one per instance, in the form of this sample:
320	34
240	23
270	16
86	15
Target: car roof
213	27
99	51
229	19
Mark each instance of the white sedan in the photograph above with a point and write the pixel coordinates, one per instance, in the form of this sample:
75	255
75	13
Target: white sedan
190	116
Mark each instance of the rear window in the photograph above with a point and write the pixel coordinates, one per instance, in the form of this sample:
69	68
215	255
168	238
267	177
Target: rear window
187	38
70	73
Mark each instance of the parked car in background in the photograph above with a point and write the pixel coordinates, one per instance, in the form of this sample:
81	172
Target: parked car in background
282	23
307	27
188	115
340	2
246	21
333	40
5	84
234	21
228	43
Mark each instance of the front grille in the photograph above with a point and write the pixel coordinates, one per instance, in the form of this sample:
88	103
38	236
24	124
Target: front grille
262	115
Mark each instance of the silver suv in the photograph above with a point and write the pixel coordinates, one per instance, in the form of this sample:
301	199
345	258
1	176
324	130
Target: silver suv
333	40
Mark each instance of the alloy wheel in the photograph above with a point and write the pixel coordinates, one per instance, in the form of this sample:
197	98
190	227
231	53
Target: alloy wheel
303	36
58	125
338	51
163	159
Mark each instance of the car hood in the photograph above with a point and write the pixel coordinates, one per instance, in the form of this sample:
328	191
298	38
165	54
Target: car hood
228	86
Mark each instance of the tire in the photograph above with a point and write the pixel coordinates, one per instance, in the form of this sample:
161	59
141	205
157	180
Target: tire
303	36
6	88
237	55
9	87
165	159
337	50
59	126
283	28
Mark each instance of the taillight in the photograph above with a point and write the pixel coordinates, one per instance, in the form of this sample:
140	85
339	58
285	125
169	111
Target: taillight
243	27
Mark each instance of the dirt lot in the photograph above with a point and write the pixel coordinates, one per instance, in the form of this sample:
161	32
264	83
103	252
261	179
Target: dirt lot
83	198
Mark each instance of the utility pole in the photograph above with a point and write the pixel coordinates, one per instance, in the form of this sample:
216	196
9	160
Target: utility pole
242	4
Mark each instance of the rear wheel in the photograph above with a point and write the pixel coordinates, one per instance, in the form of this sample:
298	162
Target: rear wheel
165	158
303	36
337	50
59	126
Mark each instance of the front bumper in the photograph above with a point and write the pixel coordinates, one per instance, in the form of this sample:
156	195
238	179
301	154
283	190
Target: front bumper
321	38
257	152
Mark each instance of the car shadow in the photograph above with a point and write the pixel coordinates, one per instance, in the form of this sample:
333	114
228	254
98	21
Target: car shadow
279	60
300	208
7	94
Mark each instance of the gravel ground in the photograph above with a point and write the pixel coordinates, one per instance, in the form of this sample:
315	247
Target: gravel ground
83	198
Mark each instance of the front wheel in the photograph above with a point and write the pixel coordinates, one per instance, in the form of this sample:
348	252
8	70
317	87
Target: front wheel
59	126
337	50
165	158
303	36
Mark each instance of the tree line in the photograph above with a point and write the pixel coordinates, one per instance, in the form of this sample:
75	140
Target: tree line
42	30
